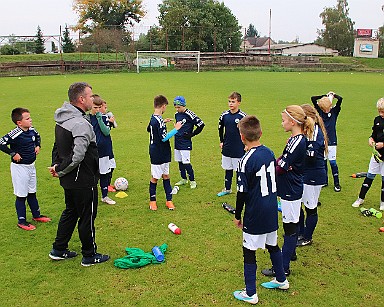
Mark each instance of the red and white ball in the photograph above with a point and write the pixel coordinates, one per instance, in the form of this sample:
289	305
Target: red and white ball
121	184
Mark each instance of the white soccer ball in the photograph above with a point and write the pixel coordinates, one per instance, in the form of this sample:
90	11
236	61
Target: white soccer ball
121	184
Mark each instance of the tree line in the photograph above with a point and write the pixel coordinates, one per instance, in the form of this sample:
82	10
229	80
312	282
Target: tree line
205	25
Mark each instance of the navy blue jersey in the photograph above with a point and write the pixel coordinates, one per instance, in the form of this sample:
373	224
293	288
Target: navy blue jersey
378	133
189	120
256	178
21	142
290	181
104	142
329	118
314	172
229	134
159	151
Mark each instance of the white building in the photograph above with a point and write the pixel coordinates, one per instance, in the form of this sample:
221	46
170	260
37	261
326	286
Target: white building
306	49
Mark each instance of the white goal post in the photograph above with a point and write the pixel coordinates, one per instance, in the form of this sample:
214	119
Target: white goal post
156	59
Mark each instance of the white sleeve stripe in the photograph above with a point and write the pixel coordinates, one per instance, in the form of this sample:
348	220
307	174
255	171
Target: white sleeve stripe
316	133
244	160
15	133
161	122
292	146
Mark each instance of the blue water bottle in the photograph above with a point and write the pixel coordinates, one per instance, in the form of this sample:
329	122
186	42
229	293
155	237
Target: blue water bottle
158	254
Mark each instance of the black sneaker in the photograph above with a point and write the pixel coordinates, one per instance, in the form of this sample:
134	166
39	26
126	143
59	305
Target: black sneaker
271	272
294	257
61	255
304	242
337	188
95	259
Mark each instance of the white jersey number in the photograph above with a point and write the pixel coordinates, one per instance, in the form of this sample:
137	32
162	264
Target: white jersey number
262	173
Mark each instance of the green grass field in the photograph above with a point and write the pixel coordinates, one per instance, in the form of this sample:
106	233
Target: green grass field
204	265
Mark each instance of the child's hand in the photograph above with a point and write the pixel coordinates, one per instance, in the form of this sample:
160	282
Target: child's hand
16	157
238	223
178	125
167	120
221	145
379	145
37	150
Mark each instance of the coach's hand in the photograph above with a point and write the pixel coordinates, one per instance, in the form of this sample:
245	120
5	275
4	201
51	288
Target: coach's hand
52	170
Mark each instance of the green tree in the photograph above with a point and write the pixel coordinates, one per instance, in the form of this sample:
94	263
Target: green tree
381	41
9	50
67	44
154	40
251	31
338	33
39	41
205	25
107	13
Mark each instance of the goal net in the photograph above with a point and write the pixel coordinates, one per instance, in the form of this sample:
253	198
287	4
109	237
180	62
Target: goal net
167	59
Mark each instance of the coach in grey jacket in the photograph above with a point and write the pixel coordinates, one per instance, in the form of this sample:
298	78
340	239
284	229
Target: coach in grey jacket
75	162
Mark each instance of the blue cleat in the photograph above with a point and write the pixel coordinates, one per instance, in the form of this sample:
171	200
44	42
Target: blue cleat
242	295
274	284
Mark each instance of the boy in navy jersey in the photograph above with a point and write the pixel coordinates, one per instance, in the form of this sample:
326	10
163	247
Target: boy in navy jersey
256	188
183	140
376	164
24	145
102	128
232	148
314	176
160	152
289	179
329	114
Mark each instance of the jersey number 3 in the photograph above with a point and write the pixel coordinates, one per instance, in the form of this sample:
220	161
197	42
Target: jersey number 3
262	173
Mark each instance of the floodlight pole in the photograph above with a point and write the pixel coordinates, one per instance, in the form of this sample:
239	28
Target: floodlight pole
269	39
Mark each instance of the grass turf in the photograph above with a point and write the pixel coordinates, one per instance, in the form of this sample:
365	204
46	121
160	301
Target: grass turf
204	264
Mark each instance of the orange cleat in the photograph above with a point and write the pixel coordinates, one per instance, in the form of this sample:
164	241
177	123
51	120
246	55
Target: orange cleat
26	226
170	205
111	188
42	219
152	205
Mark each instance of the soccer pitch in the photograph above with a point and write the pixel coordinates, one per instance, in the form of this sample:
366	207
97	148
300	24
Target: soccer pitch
204	265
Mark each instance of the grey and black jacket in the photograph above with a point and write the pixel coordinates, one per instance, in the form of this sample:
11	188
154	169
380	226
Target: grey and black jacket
75	151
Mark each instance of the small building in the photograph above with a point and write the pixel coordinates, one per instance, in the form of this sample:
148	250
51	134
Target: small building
366	44
366	48
252	42
305	49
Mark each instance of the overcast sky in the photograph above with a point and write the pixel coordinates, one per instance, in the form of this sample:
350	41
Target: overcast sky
290	18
